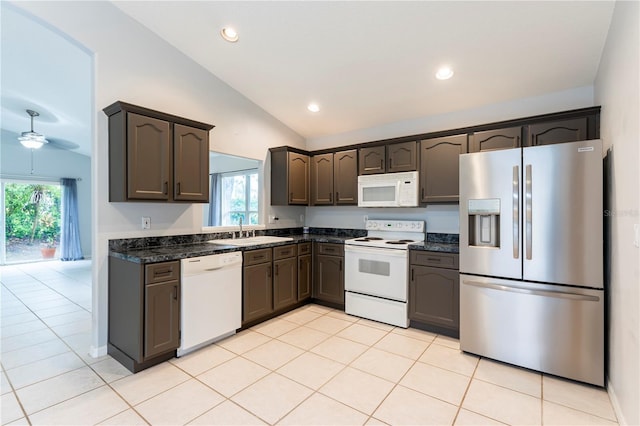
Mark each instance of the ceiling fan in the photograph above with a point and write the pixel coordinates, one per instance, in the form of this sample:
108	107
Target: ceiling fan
34	140
31	139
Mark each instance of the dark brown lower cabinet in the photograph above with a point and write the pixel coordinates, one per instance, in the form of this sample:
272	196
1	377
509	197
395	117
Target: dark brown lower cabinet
161	317
285	276
434	292
328	283
305	271
144	312
257	285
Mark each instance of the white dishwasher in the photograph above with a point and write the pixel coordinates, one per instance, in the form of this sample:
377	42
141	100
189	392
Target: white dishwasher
211	299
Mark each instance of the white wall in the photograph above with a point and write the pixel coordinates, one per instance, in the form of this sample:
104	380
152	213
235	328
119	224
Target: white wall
440	218
134	65
53	163
617	90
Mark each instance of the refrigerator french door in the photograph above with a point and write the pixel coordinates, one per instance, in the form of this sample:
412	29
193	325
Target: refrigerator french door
531	258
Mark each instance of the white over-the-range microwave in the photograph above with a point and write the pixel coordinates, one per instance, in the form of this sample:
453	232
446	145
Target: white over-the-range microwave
388	190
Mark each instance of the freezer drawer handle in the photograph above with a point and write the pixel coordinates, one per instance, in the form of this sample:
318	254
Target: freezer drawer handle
546	293
516	212
529	207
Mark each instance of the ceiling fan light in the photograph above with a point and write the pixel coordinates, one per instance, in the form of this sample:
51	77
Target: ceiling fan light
31	143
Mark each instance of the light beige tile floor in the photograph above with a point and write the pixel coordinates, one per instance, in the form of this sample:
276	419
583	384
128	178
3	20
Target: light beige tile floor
314	365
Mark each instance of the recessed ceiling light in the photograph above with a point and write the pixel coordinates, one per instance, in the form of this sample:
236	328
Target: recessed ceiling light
444	73
313	107
229	34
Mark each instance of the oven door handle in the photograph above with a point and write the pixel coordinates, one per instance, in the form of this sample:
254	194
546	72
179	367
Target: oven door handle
375	250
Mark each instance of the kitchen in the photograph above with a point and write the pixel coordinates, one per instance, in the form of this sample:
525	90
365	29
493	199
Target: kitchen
123	221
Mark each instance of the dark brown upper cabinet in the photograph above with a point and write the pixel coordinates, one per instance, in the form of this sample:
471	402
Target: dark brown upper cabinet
496	139
334	178
439	168
402	157
345	177
191	164
372	160
155	156
397	157
290	172
571	130
322	180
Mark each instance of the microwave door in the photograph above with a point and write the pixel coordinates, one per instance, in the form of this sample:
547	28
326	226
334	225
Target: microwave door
381	194
490	213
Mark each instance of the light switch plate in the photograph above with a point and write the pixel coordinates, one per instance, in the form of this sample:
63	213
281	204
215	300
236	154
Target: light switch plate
146	222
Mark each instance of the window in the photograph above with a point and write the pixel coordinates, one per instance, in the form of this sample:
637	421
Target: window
238	197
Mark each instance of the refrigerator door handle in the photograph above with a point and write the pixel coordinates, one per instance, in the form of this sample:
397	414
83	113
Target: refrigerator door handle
545	293
516	211
528	211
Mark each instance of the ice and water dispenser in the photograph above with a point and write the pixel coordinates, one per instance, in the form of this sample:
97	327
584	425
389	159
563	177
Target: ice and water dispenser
484	222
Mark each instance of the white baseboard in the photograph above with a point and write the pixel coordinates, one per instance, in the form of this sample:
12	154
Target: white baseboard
97	352
616	405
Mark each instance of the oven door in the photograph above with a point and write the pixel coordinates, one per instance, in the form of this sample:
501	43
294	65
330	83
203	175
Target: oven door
376	272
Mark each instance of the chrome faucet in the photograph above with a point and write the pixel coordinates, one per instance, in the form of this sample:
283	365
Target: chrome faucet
240	222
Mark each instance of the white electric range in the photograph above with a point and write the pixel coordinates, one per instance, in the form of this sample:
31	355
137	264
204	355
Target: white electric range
376	267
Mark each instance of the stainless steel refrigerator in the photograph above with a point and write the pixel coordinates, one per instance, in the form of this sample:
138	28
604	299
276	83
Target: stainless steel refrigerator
531	258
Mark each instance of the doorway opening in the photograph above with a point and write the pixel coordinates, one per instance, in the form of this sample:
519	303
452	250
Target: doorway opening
31	221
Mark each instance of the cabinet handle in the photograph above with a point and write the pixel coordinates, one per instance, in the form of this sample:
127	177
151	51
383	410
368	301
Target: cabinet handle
412	274
276	270
162	273
390	164
331	197
381	164
179	191
269	272
291	197
175	292
431	259
422	190
166	188
337	196
258	257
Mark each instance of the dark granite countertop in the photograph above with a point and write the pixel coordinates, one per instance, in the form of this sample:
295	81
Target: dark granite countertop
182	251
164	249
441	247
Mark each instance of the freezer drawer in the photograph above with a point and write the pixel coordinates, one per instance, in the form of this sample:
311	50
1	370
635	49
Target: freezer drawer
549	328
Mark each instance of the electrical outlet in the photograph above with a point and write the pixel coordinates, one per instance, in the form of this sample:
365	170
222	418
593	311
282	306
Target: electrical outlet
146	222
366	218
272	218
301	218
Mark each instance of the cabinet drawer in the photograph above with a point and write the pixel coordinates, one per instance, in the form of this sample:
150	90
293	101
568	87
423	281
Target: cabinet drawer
253	257
159	272
304	248
283	252
430	258
331	249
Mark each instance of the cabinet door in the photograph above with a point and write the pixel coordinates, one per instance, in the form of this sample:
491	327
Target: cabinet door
322	180
148	158
191	164
161	318
371	160
345	177
434	296
328	282
558	131
285	282
298	179
304	277
439	167
402	157
257	292
496	139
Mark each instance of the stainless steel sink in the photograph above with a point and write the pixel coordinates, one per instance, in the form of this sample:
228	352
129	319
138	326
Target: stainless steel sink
251	241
